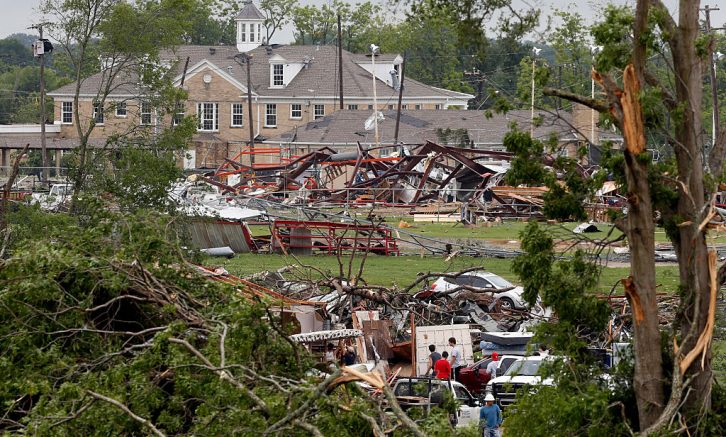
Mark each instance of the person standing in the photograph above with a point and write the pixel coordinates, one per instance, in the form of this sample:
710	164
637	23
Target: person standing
490	417
493	365
442	367
433	358
455	359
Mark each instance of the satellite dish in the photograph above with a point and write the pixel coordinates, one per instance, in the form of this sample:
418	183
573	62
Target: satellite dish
370	121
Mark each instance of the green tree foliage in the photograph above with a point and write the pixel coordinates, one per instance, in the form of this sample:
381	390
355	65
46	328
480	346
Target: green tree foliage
108	330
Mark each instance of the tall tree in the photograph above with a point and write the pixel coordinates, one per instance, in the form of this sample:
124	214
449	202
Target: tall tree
127	38
277	14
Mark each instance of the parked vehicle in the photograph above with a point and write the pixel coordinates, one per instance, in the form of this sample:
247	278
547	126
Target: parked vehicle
427	392
522	373
476	377
53	199
486	281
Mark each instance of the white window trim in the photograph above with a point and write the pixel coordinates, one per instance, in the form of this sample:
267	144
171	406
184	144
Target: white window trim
215	117
95	113
272	76
232	114
179	111
353	107
64	112
141	114
315	111
126	110
292	117
267	106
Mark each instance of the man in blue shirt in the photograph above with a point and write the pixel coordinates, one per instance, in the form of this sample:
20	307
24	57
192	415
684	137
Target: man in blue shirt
490	417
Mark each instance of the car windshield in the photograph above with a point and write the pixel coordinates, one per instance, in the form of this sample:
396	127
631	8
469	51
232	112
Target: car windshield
499	282
524	368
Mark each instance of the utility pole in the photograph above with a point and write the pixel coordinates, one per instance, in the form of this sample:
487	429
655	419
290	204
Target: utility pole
340	61
247	59
400	97
374	49
714	89
41	55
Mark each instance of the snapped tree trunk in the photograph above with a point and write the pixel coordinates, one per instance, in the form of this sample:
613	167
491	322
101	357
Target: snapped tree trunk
691	243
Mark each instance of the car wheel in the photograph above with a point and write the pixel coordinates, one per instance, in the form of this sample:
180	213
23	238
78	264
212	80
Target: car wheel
506	303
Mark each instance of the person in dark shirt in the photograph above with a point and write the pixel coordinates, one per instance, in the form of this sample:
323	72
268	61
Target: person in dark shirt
349	357
442	367
433	358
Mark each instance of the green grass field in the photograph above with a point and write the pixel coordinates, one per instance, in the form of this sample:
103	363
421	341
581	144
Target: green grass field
401	271
506	231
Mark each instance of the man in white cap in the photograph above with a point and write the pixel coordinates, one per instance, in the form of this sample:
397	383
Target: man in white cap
490	417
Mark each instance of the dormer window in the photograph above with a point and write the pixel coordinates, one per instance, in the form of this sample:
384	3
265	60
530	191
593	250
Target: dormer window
252	33
277	75
243	32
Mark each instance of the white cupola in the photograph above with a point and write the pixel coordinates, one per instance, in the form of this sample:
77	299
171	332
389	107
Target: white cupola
249	27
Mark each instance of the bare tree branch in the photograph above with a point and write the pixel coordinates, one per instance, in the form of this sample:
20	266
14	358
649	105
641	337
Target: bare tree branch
147	423
596	104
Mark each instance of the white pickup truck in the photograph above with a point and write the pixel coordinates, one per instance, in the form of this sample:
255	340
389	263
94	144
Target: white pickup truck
427	392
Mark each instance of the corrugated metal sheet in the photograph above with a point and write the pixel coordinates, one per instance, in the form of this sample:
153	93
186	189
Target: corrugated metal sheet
218	234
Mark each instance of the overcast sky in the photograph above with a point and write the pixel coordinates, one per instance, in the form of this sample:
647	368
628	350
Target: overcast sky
17	15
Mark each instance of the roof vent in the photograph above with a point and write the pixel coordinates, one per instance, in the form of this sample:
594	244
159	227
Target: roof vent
268	49
229	69
212	50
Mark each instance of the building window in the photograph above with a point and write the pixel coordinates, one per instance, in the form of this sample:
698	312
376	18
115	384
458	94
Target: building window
259	32
319	111
437	106
271	115
296	111
352	107
208	114
237	111
67	112
243	32
120	109
390	107
145	113
178	114
370	106
252	33
417	107
404	106
277	75
98	112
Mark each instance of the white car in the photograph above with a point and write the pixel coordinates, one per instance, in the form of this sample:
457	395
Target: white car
486	281
521	373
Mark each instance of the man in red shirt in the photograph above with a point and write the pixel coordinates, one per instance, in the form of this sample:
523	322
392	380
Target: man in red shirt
442	367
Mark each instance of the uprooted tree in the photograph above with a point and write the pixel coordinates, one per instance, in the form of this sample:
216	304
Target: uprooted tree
109	330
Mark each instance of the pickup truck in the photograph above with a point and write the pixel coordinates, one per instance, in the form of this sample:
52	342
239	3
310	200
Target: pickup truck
425	392
475	377
522	373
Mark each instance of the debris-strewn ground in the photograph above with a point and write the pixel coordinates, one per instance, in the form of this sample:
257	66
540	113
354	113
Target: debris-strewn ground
387	271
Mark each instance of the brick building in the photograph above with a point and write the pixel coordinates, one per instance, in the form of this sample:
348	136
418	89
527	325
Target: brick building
290	86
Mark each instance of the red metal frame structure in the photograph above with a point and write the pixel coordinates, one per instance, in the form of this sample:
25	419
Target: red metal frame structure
332	237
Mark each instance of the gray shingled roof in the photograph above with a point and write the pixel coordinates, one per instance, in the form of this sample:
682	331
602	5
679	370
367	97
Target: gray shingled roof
318	80
346	127
250	12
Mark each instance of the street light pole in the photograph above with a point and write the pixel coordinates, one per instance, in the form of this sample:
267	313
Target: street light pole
536	51
374	49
